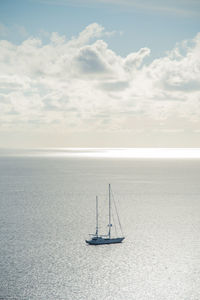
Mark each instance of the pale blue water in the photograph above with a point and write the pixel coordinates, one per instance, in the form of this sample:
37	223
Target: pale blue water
47	208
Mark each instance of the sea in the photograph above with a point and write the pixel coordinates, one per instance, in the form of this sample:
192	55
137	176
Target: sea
47	210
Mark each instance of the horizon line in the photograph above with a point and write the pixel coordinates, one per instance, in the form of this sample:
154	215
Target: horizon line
104	152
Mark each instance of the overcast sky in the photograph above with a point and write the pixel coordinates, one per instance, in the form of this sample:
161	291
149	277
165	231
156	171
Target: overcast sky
99	73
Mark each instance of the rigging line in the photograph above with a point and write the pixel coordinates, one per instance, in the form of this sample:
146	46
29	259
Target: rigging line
114	224
117	213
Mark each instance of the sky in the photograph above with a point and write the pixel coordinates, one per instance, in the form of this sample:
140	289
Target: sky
99	73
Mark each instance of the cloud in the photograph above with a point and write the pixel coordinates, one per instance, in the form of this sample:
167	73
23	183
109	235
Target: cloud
81	85
114	85
179	72
184	8
92	31
179	7
89	60
134	60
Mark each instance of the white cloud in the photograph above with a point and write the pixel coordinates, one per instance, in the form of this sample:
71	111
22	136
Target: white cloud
92	31
134	60
81	84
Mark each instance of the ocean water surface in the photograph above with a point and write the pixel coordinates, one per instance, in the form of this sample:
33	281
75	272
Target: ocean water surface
47	209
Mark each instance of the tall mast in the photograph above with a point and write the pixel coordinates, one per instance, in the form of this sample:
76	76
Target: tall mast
97	227
109	213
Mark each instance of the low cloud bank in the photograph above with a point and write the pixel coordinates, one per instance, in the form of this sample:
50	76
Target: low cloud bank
78	83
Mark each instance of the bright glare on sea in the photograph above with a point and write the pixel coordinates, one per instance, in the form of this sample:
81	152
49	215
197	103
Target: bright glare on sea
47	209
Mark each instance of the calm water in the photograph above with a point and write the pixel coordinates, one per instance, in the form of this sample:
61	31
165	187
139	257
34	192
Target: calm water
47	208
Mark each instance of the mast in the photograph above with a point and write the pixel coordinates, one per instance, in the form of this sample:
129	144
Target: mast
109	232
97	226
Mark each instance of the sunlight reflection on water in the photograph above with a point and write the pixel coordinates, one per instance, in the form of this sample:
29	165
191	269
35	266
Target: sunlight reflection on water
47	209
177	153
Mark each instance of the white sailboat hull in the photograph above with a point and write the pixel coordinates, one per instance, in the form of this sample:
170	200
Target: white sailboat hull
103	241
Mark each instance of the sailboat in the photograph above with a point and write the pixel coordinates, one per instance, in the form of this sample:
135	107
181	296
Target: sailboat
105	239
